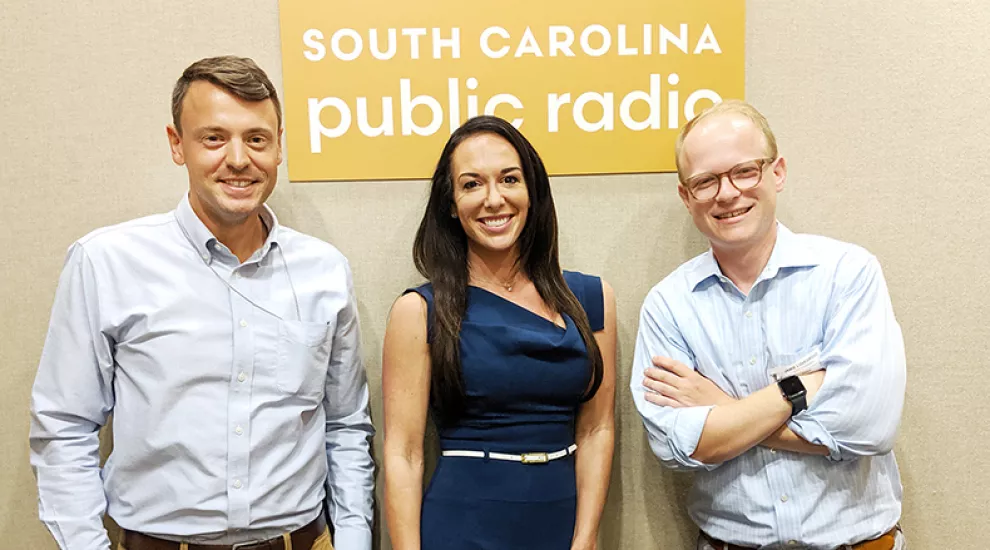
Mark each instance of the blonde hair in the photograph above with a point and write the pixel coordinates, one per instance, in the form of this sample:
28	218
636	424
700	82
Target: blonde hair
729	106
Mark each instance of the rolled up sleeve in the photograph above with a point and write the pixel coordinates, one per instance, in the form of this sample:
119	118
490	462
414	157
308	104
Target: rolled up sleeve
673	433
857	411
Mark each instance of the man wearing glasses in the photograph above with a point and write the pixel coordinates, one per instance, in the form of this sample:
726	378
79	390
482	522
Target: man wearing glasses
771	365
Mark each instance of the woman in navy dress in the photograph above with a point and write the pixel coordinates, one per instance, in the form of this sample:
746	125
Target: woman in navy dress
513	358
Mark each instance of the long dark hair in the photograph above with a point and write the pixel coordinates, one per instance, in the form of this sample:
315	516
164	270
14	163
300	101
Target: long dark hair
440	254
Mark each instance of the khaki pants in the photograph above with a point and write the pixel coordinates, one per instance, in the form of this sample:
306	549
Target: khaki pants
321	543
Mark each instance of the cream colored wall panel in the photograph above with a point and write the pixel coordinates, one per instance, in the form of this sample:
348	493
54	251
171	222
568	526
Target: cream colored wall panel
880	109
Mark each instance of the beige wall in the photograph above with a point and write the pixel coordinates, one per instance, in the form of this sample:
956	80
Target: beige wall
879	107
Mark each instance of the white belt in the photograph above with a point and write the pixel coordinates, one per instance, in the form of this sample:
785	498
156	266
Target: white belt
525	458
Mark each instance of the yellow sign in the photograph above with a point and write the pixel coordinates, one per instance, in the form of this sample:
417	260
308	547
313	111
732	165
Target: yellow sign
374	89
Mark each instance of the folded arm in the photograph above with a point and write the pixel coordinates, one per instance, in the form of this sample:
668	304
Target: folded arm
673	432
858	410
692	423
733	426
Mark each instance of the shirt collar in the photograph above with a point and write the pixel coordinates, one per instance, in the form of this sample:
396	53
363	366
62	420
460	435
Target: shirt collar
202	239
788	252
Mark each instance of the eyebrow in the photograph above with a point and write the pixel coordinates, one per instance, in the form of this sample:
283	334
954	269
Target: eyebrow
699	175
502	173
222	130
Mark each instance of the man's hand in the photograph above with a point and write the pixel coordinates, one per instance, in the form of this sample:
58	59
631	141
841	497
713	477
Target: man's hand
674	384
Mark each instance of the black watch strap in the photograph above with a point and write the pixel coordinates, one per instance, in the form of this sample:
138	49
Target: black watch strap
793	390
798	403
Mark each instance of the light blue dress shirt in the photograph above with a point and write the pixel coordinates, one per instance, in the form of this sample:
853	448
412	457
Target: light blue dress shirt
814	294
237	390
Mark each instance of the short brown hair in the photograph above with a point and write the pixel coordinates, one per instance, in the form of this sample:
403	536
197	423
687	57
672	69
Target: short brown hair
240	76
729	106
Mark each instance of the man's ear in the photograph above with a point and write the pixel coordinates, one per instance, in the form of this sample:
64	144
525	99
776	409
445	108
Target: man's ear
175	145
278	143
685	197
780	173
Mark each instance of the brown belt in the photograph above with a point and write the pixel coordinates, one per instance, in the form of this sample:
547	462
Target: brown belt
302	539
883	542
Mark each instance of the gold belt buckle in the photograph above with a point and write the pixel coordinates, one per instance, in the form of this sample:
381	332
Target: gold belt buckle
535	458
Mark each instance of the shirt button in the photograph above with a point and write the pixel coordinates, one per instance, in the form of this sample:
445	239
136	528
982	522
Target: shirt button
241	377
792	542
243	323
205	257
749	314
783	498
752	360
773	451
237	484
238	430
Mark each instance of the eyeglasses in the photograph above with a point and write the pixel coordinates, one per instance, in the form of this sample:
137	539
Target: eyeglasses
743	176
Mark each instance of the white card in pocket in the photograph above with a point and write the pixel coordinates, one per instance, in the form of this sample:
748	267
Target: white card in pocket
809	363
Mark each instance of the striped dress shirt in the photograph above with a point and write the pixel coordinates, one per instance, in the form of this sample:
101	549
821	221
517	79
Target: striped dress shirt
815	294
238	394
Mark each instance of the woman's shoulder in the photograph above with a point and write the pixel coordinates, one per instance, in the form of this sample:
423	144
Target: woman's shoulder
414	298
425	290
409	310
590	291
414	302
579	281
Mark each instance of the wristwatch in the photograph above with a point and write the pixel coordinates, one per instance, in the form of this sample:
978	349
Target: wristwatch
793	390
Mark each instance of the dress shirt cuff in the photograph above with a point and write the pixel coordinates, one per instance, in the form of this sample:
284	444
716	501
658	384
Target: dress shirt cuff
682	439
812	431
71	504
81	535
352	538
688	425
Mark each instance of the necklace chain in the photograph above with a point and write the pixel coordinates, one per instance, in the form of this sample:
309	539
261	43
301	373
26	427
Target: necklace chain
507	285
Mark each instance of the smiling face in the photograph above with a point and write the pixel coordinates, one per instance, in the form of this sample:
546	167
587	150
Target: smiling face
733	221
490	195
231	148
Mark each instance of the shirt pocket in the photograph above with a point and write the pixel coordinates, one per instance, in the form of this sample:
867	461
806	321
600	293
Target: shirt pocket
303	351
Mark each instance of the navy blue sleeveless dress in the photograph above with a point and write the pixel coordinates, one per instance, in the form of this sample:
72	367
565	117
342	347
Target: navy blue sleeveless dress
523	377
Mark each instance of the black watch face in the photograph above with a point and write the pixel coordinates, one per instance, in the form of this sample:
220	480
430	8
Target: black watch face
791	386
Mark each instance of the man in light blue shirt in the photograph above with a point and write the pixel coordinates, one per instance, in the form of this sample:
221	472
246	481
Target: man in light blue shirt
772	364
225	345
